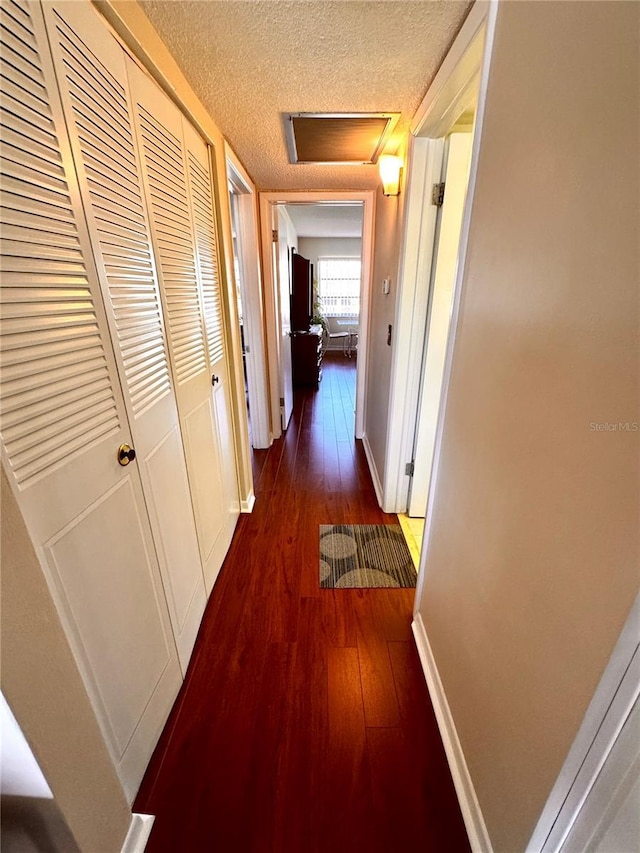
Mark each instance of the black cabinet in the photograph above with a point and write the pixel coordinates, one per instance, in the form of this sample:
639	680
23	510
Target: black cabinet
301	293
306	355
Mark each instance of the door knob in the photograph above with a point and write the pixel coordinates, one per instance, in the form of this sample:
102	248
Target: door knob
126	454
214	379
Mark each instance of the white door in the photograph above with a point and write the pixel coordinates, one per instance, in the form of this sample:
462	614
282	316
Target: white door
64	418
93	79
443	282
283	277
178	193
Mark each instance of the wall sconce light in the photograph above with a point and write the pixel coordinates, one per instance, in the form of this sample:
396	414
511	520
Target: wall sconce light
390	168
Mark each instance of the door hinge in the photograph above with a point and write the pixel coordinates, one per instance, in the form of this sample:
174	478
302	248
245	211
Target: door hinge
409	468
274	235
437	194
282	401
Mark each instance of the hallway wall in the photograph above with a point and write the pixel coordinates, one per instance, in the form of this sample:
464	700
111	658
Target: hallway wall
532	561
389	222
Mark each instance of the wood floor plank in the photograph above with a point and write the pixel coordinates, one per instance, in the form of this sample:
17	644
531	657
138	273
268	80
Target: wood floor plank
378	685
428	759
349	796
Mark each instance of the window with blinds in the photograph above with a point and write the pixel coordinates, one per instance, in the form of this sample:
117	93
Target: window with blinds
339	286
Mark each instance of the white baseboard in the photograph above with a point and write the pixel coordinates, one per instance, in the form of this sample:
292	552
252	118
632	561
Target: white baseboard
248	504
469	805
377	485
138	834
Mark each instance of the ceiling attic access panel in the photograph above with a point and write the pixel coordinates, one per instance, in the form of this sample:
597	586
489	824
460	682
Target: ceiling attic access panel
92	75
338	138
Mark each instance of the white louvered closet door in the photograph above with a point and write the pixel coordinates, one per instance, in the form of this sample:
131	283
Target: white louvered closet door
160	137
63	417
92	74
208	267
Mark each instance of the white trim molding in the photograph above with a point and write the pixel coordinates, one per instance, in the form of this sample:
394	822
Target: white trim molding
138	834
248	504
252	297
377	485
469	805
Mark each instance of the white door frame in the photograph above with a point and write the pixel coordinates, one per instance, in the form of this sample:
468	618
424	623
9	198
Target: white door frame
446	244
282	256
253	303
367	197
465	67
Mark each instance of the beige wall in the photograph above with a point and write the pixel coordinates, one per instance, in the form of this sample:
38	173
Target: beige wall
42	684
532	565
386	255
319	247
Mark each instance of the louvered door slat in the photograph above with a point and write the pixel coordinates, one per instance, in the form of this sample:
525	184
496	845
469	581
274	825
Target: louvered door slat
47	301
17	18
99	107
204	221
162	152
29	152
101	148
77	404
13	90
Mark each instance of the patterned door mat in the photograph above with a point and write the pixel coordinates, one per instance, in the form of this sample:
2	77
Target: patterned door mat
364	555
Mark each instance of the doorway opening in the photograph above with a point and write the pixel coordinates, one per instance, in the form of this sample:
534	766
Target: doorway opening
326	285
250	304
455	150
456	160
317	257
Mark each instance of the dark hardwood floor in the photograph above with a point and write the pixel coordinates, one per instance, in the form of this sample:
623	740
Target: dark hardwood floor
304	722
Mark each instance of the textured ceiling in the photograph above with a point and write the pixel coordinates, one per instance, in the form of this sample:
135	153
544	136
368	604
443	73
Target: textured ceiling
251	61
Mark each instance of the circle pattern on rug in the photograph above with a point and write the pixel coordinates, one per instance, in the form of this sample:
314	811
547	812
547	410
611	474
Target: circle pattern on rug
376	551
366	578
338	546
325	570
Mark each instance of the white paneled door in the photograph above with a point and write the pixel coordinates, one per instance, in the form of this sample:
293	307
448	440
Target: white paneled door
92	73
64	417
177	183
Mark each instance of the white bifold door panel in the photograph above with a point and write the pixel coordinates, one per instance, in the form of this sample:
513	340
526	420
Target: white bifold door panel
63	413
92	74
177	181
